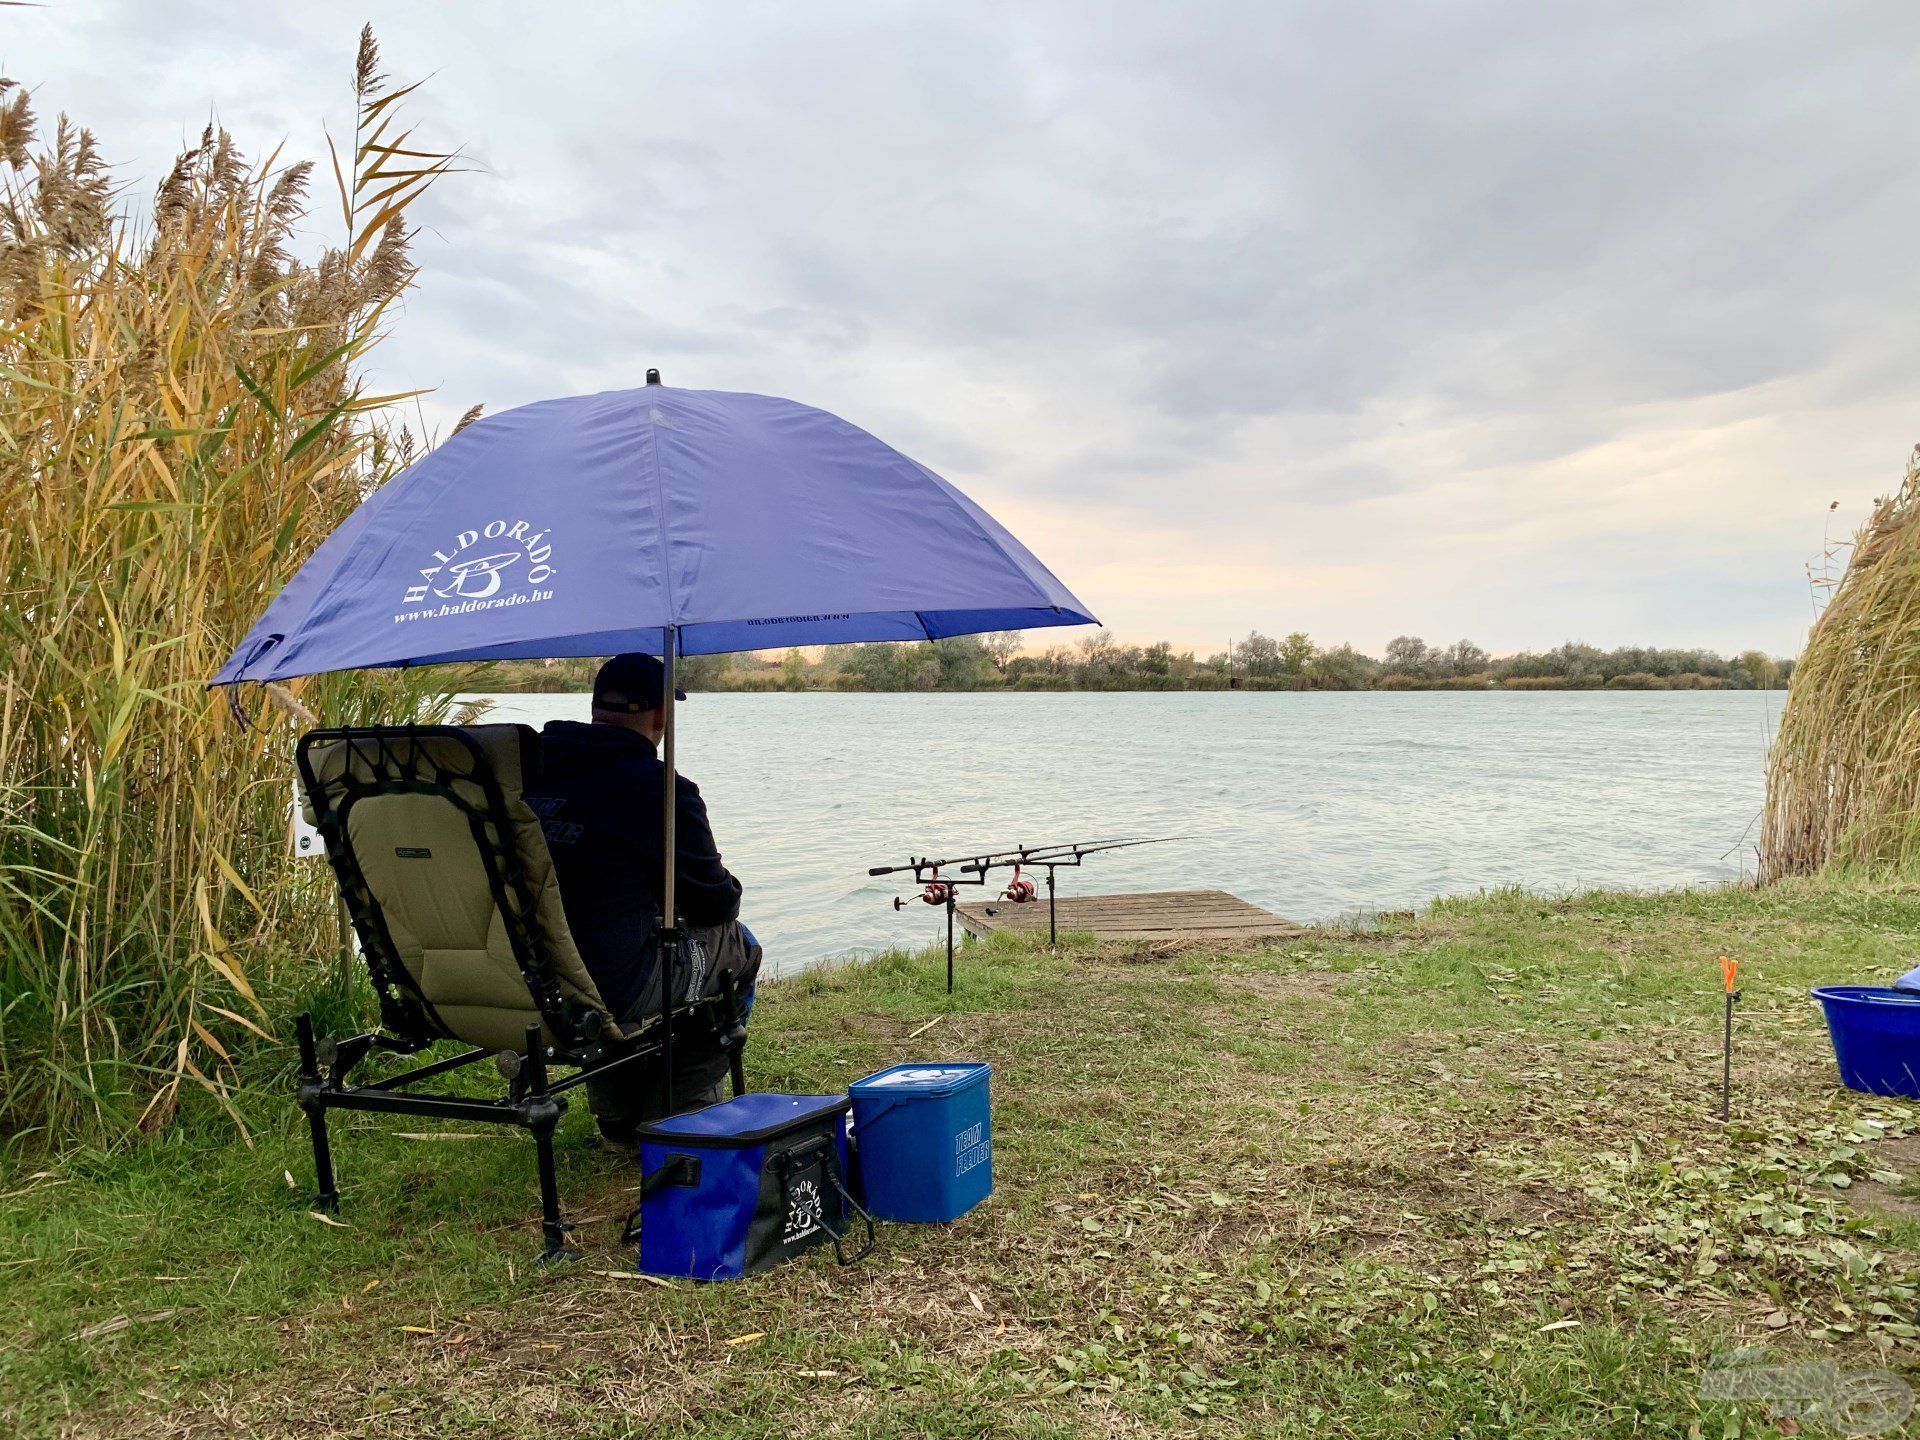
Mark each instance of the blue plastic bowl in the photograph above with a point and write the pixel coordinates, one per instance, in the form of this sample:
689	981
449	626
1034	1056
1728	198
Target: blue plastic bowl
1876	1037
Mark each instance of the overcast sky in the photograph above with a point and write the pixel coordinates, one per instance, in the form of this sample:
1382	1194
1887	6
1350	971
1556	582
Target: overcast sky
1518	321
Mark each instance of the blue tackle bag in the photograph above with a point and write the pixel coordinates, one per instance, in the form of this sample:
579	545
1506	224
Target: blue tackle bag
734	1188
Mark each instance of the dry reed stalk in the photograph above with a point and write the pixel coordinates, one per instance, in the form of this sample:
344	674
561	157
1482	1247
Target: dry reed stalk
182	420
1843	778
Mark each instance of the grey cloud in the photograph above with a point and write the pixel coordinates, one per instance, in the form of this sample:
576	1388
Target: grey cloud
1212	260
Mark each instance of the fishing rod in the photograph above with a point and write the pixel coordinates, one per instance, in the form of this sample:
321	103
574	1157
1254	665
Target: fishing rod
1021	891
991	858
1062	854
942	890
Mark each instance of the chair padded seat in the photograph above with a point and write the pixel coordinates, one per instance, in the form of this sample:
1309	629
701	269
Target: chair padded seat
426	828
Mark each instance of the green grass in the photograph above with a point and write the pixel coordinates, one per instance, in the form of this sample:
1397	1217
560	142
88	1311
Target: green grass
1358	1184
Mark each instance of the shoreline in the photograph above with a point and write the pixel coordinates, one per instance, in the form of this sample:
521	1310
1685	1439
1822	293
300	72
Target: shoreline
1197	690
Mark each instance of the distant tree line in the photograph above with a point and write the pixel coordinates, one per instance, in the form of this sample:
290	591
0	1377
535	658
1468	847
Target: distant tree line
1259	662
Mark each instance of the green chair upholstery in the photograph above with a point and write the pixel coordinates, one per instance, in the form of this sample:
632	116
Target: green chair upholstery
450	886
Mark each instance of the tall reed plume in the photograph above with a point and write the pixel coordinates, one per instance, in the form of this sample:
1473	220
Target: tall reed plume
1843	780
182	420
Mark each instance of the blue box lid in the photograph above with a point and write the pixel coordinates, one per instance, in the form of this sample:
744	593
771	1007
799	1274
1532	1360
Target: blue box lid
744	1120
932	1079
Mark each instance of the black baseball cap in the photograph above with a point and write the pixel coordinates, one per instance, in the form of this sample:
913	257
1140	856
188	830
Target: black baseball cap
639	681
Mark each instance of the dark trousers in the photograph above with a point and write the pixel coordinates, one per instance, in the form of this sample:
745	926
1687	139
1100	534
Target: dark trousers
632	1096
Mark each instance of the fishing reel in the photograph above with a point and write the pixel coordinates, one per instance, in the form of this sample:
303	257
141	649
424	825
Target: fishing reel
1020	891
937	892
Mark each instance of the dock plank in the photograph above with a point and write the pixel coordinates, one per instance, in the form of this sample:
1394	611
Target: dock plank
1160	914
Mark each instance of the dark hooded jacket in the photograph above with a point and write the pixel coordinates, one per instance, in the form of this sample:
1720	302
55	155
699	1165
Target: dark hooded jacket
599	800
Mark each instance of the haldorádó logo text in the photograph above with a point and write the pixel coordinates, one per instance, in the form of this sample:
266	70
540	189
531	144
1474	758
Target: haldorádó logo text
504	562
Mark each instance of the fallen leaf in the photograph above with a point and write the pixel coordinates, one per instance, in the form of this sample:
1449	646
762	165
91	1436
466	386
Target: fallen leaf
416	1330
976	1302
290	1181
1559	1325
748	1338
329	1220
369	1287
916	1034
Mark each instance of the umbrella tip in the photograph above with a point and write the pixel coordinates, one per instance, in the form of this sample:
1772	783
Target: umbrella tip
653	377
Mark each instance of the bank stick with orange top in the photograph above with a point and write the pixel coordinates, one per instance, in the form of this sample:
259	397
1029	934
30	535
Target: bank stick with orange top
1729	973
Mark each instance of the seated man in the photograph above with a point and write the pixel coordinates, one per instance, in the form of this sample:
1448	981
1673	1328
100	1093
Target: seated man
599	800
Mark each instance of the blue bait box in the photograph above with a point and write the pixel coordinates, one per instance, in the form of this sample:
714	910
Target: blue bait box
737	1187
1876	1037
925	1136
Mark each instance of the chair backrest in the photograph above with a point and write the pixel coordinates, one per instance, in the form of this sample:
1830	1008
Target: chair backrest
446	875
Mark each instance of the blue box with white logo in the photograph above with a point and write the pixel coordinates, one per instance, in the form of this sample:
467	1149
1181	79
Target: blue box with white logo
736	1187
925	1136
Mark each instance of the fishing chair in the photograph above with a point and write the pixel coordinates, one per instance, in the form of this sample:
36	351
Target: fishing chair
446	877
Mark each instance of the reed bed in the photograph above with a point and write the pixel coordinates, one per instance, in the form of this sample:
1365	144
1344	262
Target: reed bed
183	418
1843	779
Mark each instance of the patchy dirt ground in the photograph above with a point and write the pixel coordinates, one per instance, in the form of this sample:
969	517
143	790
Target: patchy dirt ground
1464	1174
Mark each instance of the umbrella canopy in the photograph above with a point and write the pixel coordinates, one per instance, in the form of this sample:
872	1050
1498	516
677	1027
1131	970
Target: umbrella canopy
594	524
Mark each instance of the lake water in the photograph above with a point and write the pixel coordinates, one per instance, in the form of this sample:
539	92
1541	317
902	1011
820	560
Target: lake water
1312	805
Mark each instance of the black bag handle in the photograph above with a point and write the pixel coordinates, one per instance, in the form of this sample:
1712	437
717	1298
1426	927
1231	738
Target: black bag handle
853	1205
676	1170
829	1154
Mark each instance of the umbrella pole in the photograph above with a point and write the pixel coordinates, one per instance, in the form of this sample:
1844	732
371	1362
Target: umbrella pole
670	925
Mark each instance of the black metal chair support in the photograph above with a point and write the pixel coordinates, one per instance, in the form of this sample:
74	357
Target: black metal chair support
534	1103
327	1195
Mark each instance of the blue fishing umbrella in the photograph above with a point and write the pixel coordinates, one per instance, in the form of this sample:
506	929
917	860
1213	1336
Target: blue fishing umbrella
675	522
687	522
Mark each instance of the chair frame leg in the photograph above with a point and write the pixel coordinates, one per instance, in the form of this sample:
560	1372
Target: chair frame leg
326	1196
543	1111
327	1193
553	1229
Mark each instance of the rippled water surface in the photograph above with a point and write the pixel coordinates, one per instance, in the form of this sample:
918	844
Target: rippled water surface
1313	806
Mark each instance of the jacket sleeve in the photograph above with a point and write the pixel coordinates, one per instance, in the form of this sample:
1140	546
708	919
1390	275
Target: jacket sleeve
707	893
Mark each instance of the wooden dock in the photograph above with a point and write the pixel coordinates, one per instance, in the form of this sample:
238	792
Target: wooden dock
1156	915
